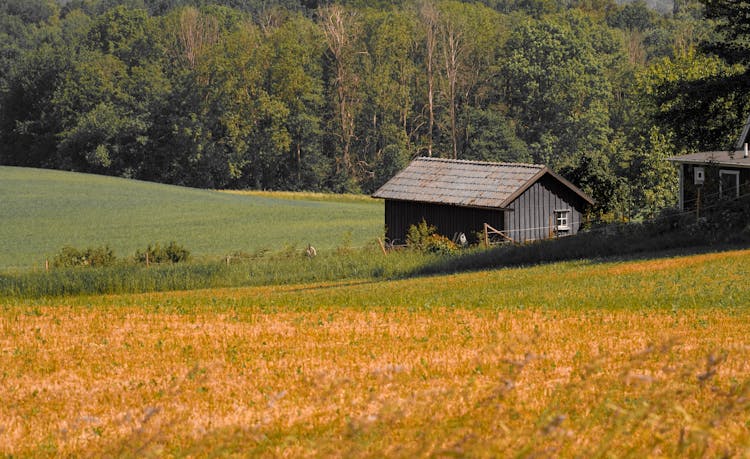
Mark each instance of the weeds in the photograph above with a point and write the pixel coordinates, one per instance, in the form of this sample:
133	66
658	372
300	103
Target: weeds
171	253
286	267
69	257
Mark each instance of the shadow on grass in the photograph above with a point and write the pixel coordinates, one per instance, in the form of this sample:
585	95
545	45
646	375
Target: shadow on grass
615	243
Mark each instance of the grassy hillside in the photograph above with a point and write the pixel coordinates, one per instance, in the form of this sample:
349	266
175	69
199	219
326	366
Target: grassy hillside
44	210
645	358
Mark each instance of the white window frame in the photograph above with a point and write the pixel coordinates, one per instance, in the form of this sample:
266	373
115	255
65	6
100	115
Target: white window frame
562	219
736	174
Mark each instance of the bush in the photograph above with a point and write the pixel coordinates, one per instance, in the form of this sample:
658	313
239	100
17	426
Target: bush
69	257
172	253
424	238
436	243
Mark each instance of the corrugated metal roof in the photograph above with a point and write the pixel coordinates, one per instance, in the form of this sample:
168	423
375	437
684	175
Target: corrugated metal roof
460	183
719	158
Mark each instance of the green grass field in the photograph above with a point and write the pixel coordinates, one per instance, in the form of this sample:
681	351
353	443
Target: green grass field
44	210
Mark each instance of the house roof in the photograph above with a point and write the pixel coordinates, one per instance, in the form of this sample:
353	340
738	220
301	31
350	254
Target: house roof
719	158
733	158
743	136
466	183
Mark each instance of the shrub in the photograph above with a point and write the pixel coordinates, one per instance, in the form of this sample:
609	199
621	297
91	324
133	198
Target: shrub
172	253
436	243
418	234
424	238
96	257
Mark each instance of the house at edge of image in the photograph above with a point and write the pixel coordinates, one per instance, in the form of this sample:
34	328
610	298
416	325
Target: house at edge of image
714	175
523	201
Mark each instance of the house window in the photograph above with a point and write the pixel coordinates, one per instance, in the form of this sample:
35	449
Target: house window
562	220
729	184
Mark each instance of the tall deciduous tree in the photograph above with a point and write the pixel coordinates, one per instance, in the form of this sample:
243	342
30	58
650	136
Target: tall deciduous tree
558	88
341	27
295	79
707	104
388	84
467	39
429	16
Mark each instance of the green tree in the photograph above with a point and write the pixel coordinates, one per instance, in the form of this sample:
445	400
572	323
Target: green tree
559	92
468	43
345	52
656	184
386	119
295	78
705	102
490	136
593	173
699	98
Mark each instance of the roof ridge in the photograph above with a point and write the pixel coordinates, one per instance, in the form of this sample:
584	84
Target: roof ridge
481	163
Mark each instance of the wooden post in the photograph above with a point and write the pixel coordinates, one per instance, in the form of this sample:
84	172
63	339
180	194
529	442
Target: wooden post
46	264
550	227
147	263
486	237
227	260
382	247
698	205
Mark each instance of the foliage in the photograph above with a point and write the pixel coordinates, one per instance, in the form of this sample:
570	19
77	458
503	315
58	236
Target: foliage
93	257
338	97
657	187
424	238
559	91
239	269
171	253
594	174
417	234
722	225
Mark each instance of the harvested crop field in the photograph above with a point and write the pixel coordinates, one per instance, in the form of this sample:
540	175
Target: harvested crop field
548	360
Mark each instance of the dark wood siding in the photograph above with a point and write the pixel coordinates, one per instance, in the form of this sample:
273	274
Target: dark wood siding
532	214
710	187
449	220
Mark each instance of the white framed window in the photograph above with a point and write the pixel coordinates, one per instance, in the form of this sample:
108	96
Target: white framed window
562	220
729	184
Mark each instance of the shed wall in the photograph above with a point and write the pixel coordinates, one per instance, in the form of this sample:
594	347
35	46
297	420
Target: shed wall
449	220
710	187
533	212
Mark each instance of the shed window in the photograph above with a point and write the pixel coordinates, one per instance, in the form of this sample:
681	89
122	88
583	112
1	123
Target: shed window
729	184
562	219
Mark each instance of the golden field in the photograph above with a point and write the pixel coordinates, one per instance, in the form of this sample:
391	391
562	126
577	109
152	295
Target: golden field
632	358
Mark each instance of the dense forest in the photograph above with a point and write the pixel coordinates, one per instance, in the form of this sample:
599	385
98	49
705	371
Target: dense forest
338	96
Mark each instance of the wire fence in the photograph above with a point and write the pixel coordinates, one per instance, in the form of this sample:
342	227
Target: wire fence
716	200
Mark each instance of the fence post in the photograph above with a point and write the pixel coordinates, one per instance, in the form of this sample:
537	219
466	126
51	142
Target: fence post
147	263
46	265
698	205
382	247
486	237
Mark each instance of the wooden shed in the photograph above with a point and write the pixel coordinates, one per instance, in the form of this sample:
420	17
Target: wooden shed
523	201
709	176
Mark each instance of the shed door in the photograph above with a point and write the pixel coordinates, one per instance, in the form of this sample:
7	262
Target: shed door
729	184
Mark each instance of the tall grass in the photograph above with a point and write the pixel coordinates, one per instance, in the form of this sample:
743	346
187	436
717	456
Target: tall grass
287	267
291	266
726	227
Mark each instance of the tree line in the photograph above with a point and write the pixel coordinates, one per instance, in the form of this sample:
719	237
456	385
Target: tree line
339	96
